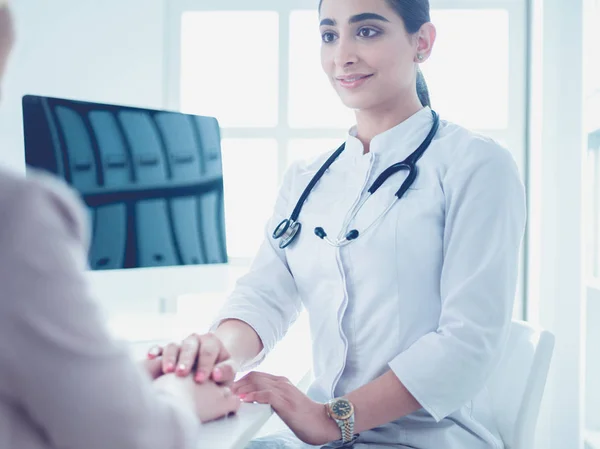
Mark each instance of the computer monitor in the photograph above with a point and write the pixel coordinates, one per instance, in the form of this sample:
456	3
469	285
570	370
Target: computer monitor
152	182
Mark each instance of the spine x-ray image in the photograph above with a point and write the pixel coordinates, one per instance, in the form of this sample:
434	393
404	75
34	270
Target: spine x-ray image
152	180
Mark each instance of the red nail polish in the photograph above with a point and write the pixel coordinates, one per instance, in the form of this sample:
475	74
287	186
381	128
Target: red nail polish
200	376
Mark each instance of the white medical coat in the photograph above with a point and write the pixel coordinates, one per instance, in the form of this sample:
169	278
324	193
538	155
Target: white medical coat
427	293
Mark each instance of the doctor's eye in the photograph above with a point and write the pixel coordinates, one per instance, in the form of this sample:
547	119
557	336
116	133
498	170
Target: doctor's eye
368	32
328	37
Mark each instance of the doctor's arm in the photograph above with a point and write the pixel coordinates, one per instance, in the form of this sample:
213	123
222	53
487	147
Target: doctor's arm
485	221
258	313
264	302
484	226
448	367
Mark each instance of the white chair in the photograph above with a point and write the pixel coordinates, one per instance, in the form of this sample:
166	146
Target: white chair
517	385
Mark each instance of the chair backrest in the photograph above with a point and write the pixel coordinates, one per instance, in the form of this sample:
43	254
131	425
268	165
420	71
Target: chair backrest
517	385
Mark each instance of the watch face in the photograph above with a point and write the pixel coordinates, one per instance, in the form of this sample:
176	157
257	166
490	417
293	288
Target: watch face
342	409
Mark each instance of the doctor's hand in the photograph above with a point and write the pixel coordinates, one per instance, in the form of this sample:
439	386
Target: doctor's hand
306	418
203	355
209	401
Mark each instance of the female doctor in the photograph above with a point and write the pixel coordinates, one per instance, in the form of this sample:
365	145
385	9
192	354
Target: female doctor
409	283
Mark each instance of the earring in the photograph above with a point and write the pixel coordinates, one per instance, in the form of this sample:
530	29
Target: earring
420	57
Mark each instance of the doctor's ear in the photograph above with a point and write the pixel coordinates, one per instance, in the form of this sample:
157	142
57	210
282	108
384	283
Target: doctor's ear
424	40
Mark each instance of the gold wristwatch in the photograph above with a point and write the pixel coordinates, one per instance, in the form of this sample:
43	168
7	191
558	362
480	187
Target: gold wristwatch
342	412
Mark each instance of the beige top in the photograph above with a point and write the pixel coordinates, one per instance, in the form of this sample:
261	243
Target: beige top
64	383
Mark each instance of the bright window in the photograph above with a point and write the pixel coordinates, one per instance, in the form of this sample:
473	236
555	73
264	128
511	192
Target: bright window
249	196
467	73
307	149
230	66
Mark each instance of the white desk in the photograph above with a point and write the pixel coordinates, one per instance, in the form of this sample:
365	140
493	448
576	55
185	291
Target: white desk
235	432
141	332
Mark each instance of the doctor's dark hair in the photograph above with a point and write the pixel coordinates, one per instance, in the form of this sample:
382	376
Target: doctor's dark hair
414	13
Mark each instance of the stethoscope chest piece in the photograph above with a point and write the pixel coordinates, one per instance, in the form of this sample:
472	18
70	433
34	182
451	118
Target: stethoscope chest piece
287	231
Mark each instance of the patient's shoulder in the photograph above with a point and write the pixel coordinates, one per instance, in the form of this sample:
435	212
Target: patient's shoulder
40	199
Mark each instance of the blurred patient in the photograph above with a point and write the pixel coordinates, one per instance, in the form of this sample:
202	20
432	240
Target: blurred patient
64	383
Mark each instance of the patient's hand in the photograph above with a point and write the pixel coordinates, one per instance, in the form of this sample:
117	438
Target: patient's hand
152	367
208	400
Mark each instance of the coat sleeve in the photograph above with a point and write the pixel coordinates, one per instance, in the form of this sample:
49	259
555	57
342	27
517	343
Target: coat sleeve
484	226
72	378
266	298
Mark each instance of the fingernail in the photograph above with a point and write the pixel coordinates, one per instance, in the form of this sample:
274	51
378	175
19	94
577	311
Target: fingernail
154	351
170	367
242	396
181	367
200	376
218	374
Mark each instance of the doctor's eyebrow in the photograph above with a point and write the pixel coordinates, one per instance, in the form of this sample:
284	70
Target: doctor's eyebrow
356	18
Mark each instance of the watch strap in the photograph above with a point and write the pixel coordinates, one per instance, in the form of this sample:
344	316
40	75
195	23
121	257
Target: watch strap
347	427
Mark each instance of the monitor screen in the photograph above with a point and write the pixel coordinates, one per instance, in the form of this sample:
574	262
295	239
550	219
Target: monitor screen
152	180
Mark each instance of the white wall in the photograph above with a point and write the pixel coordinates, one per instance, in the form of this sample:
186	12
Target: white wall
107	51
555	255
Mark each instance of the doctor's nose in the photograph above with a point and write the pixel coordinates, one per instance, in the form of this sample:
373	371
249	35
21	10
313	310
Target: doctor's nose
345	54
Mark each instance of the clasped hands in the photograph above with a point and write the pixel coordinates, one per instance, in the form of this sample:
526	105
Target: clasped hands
208	371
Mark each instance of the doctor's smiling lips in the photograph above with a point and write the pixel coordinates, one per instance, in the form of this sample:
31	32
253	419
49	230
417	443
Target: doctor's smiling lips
353	81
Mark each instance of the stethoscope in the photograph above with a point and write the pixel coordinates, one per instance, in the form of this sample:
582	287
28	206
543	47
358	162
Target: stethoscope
289	228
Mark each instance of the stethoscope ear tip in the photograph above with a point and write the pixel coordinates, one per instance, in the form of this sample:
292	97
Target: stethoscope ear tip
352	235
320	232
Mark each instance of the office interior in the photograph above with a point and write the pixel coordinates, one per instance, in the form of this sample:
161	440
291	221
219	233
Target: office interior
523	72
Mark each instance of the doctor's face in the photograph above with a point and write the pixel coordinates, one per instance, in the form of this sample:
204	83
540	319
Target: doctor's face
366	52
